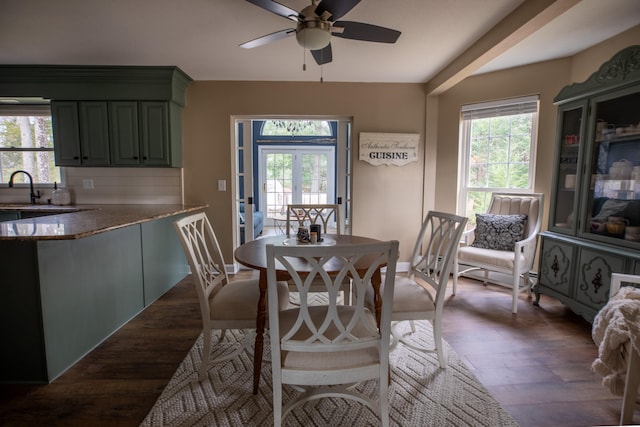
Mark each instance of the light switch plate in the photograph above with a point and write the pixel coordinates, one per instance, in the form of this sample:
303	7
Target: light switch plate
87	184
222	185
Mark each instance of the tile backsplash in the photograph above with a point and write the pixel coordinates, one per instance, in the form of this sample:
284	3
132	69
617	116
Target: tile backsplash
111	186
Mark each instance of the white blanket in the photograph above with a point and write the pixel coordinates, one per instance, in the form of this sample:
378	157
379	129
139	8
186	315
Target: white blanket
615	326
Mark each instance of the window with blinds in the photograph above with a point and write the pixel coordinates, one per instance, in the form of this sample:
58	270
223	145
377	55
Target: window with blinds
26	143
497	151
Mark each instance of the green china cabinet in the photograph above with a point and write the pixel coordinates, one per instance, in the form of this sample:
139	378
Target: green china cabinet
594	217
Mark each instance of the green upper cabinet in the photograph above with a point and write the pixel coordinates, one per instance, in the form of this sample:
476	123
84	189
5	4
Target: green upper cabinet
125	138
154	135
108	115
118	133
140	134
80	133
94	134
66	132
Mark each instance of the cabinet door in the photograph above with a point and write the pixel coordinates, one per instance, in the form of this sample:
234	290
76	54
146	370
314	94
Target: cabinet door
555	266
612	211
94	133
594	277
125	141
570	140
154	133
66	135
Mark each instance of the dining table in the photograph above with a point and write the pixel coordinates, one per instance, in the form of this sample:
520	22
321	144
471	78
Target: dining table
253	254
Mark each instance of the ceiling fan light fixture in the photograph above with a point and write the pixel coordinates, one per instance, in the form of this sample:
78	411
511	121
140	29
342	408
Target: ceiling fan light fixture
314	35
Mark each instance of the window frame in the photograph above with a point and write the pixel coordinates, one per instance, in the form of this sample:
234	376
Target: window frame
31	109
498	108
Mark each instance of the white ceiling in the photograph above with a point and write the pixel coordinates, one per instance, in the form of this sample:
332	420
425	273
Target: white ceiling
202	36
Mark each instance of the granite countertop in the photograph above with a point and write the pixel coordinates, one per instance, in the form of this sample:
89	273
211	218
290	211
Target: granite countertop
77	221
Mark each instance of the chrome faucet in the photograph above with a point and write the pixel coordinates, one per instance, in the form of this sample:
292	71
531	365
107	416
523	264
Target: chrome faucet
33	196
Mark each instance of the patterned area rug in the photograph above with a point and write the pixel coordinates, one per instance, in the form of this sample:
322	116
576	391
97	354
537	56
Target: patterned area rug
420	393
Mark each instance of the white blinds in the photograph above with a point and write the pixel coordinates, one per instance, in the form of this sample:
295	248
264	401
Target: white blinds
508	107
24	110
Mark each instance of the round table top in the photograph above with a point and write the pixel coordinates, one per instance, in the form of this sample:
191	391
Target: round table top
253	254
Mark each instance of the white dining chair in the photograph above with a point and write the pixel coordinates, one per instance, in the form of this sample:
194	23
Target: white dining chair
224	304
328	217
301	215
419	294
325	350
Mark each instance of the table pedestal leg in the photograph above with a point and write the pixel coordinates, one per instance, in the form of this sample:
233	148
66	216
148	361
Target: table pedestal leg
260	324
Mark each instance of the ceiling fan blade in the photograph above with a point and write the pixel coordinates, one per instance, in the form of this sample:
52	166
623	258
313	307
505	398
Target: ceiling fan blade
323	56
366	32
337	8
277	8
268	38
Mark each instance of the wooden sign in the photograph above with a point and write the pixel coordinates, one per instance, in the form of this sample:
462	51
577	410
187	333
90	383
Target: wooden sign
389	148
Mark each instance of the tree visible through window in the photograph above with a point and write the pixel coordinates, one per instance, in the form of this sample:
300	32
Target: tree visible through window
26	143
498	151
296	128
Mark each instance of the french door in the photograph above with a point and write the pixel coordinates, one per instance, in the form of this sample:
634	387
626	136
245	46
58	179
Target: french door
295	175
249	194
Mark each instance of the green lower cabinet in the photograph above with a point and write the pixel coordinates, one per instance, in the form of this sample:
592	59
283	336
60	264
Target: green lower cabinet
62	298
163	260
555	266
89	288
594	278
578	272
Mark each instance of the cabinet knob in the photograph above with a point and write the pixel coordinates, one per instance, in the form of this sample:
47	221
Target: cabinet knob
85	158
135	157
144	158
76	158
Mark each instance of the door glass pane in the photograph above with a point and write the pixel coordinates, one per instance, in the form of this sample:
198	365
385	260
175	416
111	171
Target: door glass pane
567	168
314	178
614	196
279	183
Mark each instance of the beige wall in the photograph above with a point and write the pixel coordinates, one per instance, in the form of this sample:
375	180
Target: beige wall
387	200
544	79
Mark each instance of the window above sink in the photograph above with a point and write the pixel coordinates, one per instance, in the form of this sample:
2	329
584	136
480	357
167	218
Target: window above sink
26	141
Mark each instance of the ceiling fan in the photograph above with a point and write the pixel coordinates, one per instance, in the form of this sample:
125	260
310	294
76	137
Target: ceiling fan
316	24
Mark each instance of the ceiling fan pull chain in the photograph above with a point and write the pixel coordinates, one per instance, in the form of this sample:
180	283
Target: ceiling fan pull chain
304	59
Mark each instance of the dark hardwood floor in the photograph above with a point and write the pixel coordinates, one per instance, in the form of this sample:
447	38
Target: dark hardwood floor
536	363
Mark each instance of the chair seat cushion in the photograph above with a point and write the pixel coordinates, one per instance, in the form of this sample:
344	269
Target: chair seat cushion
328	360
499	232
238	300
501	259
408	297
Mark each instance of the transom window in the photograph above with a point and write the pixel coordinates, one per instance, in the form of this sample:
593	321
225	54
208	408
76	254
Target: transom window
497	149
26	143
296	128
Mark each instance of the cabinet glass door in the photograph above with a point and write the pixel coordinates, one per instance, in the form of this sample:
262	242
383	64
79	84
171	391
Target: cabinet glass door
614	197
567	177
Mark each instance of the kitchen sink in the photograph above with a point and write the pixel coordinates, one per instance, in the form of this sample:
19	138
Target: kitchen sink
15	211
